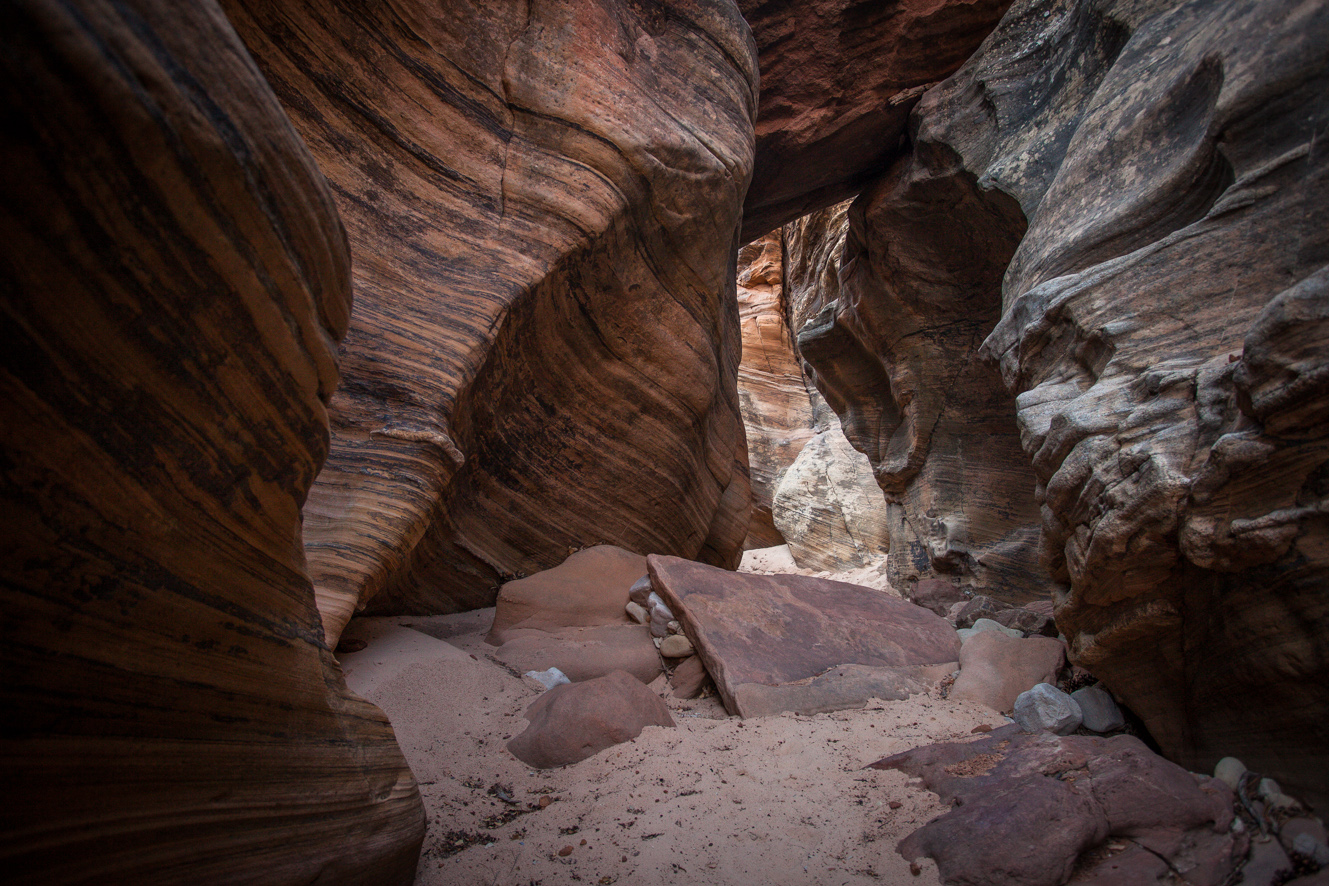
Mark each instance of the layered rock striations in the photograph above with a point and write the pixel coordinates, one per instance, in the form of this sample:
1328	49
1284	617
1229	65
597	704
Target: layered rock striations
1164	330
810	488
542	202
175	280
838	79
778	414
893	298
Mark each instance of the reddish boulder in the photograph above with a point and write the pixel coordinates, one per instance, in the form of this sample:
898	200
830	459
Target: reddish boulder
936	595
584	653
755	632
587	589
1041	802
995	668
577	720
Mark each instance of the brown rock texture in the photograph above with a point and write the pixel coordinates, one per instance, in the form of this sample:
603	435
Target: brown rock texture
838	79
996	668
175	280
542	202
778	415
756	632
889	325
588	589
1029	806
1163	329
577	720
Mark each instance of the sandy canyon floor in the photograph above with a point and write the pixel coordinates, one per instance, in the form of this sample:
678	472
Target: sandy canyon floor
714	800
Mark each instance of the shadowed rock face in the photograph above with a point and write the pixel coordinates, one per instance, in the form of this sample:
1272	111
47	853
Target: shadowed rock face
542	202
838	79
1164	330
893	299
175	279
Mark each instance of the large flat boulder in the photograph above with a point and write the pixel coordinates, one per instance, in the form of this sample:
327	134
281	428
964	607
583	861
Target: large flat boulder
759	632
1029	807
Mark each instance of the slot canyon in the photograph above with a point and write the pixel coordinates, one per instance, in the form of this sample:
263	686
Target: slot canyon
665	442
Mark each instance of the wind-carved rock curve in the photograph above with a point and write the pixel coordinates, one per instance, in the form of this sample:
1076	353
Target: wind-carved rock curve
175	282
543	203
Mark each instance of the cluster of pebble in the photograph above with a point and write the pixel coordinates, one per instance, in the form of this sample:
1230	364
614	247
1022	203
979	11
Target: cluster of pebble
646	608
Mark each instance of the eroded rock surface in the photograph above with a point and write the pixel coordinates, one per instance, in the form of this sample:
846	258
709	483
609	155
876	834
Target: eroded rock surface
891	333
778	414
1163	329
838	79
1009	787
791	642
175	280
542	202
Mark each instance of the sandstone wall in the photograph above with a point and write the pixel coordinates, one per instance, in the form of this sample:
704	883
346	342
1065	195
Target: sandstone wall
777	411
1164	330
542	202
890	331
175	278
838	79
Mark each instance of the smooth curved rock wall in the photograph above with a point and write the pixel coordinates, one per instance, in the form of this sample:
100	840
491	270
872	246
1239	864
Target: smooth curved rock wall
175	278
1164	329
542	202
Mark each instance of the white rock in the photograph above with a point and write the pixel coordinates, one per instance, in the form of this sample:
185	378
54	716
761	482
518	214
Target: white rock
676	646
1305	844
1100	712
660	619
638	613
1229	771
640	592
1047	708
550	678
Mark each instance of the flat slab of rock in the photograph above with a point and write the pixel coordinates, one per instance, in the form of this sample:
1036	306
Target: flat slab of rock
577	720
1042	802
758	633
587	589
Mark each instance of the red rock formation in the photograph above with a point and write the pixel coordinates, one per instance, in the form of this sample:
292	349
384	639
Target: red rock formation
542	202
175	279
890	333
778	415
1164	331
838	79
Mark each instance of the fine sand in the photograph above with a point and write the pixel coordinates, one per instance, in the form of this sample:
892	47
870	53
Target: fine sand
714	800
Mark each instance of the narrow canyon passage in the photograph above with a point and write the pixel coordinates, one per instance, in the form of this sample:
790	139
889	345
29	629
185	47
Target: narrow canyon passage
932	384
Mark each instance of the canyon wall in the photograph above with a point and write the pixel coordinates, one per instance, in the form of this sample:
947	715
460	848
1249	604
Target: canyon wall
175	278
543	204
1163	329
838	80
890	328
